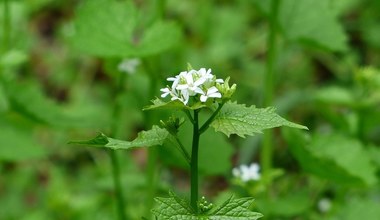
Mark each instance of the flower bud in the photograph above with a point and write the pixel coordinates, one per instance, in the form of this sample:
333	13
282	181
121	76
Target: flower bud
172	124
225	89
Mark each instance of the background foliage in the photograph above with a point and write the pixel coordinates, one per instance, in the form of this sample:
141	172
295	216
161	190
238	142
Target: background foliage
59	76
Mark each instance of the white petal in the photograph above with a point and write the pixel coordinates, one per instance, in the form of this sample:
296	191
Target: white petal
203	98
200	81
171	79
219	80
164	95
182	86
202	71
215	95
212	90
199	90
189	78
175	84
165	90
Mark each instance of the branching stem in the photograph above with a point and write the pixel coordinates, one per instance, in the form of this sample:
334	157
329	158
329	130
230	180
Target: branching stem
183	150
211	119
187	112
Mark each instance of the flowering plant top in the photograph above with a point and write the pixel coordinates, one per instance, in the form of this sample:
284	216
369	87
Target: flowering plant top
194	86
191	91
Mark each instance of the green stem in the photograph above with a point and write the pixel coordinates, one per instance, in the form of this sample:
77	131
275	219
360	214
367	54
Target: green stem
6	26
117	109
187	112
194	163
151	174
117	184
211	119
267	148
151	178
183	150
160	9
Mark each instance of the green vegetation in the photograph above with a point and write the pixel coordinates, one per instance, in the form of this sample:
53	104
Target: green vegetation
93	69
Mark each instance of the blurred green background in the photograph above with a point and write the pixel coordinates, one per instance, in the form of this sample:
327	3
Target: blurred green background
62	63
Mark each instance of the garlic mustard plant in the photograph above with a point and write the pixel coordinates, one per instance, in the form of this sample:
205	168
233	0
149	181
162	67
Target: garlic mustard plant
191	92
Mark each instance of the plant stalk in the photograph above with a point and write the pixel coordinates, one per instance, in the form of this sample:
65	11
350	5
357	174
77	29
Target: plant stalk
115	132
6	26
267	147
117	184
151	174
194	163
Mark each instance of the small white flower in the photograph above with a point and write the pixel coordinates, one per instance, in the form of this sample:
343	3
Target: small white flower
129	65
324	205
247	173
211	93
200	84
166	92
187	83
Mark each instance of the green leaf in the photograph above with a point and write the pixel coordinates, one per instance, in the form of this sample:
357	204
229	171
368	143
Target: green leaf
176	104
360	208
18	143
289	205
155	136
313	22
335	95
29	101
334	157
241	120
235	209
110	29
13	58
174	208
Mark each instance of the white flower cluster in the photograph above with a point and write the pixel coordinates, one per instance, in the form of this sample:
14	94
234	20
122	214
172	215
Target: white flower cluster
193	83
247	173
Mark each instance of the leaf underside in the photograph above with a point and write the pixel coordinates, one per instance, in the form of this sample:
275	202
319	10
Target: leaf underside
176	104
241	120
153	137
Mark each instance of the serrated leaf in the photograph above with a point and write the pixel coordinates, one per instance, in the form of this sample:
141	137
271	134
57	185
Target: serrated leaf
153	137
312	21
334	157
176	104
110	29
235	209
175	208
241	120
170	209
